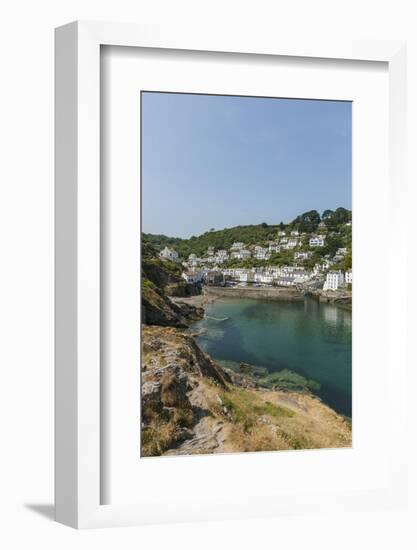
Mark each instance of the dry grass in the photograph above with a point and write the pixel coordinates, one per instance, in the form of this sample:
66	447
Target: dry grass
256	422
246	408
158	437
161	434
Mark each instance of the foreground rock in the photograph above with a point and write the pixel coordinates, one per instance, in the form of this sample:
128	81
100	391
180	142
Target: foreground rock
190	405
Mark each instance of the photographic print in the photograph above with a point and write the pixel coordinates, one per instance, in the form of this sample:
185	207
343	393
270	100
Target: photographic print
246	274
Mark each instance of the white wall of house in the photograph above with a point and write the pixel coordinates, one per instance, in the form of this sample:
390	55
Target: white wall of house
169	254
316	241
333	280
192	277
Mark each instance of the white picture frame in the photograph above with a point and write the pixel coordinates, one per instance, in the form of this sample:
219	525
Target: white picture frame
78	265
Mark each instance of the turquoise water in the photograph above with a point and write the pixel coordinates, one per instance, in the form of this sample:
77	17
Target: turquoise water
312	339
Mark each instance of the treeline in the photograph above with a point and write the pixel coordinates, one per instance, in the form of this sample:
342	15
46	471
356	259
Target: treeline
309	221
222	239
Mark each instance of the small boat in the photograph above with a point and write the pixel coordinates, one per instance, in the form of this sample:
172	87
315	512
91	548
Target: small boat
216	318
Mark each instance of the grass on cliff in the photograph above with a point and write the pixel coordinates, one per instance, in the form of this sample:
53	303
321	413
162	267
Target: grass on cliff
259	424
246	407
163	434
151	294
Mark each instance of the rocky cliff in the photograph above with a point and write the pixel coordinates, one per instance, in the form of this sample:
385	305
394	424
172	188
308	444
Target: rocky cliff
161	279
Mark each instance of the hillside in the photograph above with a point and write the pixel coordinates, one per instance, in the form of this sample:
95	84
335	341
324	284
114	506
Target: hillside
307	223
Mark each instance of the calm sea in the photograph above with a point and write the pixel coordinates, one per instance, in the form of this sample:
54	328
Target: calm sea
314	340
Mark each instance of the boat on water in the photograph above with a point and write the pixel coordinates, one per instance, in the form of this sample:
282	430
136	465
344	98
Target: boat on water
216	318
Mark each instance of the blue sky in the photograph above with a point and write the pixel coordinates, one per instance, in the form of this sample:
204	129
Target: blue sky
221	161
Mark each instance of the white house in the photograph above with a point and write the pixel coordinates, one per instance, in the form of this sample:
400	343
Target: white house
210	251
292	243
257	276
333	280
327	262
169	254
322	225
221	256
302	255
317	241
294	233
348	277
241	254
284	280
192	277
261	253
341	251
193	260
274	247
237	246
265	277
281	233
246	277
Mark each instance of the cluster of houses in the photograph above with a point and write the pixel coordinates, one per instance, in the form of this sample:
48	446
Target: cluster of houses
209	270
284	276
240	251
277	276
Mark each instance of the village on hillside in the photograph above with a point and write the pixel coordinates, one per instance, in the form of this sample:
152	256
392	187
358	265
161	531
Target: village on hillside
214	269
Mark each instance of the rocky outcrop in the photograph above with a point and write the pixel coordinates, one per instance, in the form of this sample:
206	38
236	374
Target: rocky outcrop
341	297
174	371
182	289
158	309
161	279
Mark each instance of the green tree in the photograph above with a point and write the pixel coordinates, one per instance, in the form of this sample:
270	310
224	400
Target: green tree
342	216
327	216
307	222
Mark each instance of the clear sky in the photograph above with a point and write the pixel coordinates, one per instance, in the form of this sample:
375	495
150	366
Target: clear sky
221	161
